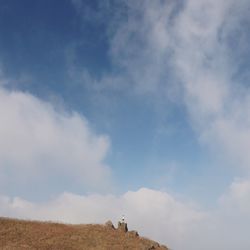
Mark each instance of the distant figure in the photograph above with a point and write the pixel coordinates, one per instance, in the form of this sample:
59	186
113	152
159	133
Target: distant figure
123	218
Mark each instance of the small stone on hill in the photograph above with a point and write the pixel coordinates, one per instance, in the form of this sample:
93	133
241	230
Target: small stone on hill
164	247
154	245
122	226
133	233
109	224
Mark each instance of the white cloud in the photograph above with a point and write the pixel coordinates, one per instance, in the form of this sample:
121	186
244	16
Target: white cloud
155	214
183	53
228	224
218	109
42	145
237	198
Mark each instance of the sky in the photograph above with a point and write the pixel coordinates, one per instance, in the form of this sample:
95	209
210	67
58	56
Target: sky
128	107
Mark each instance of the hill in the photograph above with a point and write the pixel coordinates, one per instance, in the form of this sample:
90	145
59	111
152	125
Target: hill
22	234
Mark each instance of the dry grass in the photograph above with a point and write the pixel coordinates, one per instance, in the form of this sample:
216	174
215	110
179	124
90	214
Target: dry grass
21	234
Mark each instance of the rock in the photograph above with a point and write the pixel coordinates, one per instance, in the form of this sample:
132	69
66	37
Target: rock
122	226
134	233
154	245
109	224
164	247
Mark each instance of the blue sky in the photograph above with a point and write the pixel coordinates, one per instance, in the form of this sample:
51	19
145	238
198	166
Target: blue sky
43	43
137	102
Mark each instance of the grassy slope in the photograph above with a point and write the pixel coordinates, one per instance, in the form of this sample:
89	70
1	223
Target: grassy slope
21	234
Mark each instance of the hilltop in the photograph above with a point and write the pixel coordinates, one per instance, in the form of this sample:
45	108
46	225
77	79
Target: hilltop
22	234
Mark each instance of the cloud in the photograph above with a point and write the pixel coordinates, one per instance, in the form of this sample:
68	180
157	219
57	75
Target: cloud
42	145
217	108
237	197
155	214
189	53
228	223
181	51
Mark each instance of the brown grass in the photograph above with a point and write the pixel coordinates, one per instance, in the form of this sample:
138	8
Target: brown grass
20	234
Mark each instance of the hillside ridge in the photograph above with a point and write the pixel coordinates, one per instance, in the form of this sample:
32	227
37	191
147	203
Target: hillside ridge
17	234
